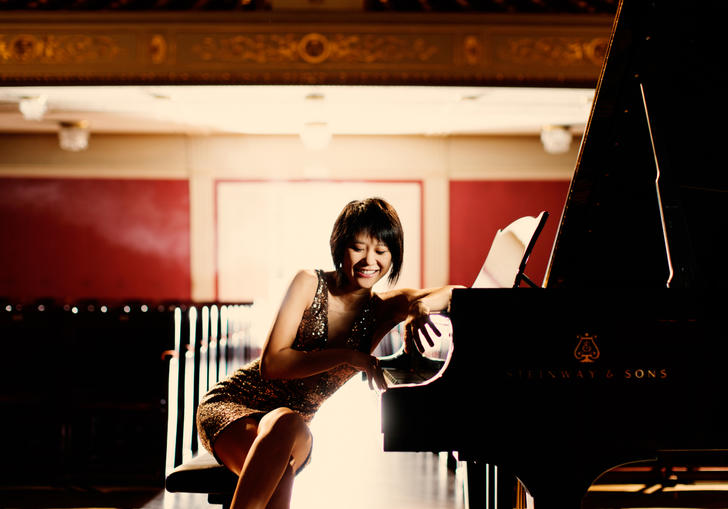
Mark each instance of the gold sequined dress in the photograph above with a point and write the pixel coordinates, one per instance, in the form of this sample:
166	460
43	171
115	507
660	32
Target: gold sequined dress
246	394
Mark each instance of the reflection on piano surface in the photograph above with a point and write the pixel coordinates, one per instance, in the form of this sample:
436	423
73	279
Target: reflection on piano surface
620	357
400	368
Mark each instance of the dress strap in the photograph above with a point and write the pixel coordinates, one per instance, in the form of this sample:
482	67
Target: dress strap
322	292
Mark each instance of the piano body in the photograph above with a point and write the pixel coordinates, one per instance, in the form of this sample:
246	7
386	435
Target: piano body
621	356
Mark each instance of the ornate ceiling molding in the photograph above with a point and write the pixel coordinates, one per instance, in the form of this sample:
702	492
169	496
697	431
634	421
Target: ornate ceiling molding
321	48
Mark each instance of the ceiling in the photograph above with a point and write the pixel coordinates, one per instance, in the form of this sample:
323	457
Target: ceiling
349	110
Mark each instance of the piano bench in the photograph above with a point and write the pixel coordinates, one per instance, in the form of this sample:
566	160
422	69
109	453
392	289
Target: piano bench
203	474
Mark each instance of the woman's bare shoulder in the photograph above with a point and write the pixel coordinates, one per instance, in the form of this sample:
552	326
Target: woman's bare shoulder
303	287
306	277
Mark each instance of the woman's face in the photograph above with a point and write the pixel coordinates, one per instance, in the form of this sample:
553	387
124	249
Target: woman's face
366	260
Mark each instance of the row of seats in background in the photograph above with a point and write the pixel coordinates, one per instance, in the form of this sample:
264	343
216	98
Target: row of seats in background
105	394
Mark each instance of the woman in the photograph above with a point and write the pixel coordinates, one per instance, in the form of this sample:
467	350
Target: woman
256	421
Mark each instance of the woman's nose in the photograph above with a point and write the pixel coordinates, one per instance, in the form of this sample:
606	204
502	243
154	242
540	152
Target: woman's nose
371	256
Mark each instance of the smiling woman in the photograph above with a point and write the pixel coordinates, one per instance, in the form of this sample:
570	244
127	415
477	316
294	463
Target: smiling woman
367	238
256	421
366	259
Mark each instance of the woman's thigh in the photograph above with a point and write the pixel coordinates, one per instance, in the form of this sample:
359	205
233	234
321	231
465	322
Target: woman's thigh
234	442
288	425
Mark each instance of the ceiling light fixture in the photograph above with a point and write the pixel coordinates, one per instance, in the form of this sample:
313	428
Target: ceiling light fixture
73	136
556	139
33	107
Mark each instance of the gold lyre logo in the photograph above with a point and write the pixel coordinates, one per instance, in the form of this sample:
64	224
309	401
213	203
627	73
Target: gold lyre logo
586	350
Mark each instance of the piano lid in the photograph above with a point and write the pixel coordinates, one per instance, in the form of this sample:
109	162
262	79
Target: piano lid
660	94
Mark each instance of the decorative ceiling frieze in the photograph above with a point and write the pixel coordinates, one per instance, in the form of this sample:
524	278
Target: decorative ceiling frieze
315	48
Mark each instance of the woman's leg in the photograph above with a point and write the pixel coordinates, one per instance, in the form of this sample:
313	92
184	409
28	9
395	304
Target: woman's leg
265	455
234	442
281	499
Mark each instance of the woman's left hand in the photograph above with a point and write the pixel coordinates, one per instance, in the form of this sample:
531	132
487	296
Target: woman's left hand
369	364
419	324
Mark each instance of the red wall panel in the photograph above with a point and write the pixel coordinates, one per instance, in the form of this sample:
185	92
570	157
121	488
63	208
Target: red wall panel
479	208
71	239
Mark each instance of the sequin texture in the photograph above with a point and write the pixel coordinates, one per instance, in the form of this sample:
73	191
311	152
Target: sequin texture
246	394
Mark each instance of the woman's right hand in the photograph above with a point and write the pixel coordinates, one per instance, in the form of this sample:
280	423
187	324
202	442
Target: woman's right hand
416	326
370	365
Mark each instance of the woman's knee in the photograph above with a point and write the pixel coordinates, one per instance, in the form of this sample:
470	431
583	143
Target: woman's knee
284	429
284	422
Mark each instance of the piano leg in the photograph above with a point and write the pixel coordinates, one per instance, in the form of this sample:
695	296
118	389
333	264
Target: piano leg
490	487
476	485
561	488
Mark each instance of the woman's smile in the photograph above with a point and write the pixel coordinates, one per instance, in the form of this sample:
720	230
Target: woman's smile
366	260
366	272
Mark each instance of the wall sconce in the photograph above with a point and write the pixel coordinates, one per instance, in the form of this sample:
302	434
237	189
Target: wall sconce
73	136
315	133
556	139
33	107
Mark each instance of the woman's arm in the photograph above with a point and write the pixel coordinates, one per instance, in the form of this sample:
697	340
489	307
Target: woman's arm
414	307
280	360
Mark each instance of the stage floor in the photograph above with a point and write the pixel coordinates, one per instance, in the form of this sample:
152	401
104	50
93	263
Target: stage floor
348	469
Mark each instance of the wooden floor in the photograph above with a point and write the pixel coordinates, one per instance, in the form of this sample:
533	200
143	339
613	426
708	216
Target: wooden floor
349	470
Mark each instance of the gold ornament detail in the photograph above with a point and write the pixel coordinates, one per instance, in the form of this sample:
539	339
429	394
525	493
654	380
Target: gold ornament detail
555	51
57	49
158	48
472	49
315	48
586	350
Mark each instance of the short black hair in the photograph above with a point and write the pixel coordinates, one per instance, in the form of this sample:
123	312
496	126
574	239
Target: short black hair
376	218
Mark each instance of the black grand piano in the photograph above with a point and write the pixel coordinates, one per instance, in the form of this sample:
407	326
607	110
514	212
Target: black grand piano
622	357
